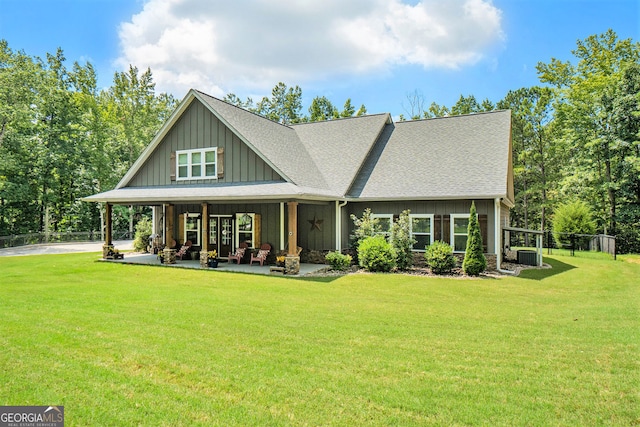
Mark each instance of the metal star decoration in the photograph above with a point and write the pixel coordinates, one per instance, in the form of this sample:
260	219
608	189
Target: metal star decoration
316	224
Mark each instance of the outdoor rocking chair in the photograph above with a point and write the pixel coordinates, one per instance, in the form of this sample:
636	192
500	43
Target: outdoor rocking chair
239	253
265	248
184	249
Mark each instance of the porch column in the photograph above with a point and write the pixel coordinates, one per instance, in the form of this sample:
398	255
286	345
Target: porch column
292	260
169	253
107	248
292	210
168	223
205	236
108	237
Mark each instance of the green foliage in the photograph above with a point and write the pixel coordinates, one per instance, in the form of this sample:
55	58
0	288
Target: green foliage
401	240
363	227
474	261
75	139
439	257
376	254
572	218
338	261
144	228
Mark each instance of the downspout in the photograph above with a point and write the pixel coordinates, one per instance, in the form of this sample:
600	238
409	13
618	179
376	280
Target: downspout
339	224
497	237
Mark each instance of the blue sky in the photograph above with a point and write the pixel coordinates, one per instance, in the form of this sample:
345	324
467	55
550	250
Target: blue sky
375	52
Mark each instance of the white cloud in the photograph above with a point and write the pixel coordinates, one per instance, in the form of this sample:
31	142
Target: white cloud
250	45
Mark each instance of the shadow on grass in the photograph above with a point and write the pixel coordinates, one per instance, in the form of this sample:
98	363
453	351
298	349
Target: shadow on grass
557	267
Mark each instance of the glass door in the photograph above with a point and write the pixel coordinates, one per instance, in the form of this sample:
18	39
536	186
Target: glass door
221	234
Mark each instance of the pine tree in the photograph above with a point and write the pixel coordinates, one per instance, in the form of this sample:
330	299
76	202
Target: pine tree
474	261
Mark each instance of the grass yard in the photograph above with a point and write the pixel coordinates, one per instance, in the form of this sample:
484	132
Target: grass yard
136	345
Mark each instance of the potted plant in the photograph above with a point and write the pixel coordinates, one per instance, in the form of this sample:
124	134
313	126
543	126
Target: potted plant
212	259
280	260
161	257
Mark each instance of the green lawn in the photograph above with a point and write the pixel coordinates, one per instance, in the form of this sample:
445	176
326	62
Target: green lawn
135	345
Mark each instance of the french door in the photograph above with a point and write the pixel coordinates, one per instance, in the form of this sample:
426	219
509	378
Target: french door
221	234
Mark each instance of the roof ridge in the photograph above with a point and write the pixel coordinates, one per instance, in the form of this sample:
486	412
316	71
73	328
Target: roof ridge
241	108
479	113
339	119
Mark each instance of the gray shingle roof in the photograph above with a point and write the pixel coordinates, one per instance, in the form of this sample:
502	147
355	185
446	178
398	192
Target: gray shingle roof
359	158
277	144
274	191
339	147
449	157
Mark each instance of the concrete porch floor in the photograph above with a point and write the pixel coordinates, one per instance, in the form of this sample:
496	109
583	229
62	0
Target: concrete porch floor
150	259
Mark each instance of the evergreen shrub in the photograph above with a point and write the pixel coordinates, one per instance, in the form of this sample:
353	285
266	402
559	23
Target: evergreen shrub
474	261
402	241
376	254
439	257
338	261
143	231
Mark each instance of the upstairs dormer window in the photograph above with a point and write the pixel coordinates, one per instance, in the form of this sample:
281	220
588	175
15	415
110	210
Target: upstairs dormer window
197	164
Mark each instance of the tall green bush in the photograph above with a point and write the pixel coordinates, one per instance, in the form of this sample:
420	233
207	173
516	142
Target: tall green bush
439	257
143	231
572	218
364	227
402	241
376	254
474	261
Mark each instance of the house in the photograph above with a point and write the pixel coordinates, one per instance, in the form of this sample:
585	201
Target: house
218	175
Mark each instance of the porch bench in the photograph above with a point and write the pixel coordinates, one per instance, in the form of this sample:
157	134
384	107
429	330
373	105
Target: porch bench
276	270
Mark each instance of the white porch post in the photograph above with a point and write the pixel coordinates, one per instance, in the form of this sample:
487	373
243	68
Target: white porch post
282	230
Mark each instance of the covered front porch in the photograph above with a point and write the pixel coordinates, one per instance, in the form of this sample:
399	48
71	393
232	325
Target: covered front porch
229	267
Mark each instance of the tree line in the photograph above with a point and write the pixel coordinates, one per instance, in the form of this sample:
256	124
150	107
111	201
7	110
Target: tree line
575	136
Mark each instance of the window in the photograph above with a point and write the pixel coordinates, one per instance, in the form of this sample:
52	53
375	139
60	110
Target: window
459	227
385	221
421	231
245	228
192	228
197	164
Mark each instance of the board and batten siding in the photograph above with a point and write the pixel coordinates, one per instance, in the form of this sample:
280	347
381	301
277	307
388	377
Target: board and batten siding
435	207
312	238
269	217
199	128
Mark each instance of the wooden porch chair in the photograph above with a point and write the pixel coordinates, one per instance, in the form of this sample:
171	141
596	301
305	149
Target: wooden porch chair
184	249
265	248
239	253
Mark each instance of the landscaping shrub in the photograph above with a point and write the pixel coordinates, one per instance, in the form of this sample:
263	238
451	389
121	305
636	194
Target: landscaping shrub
402	241
143	231
572	218
439	257
376	254
338	261
366	226
474	261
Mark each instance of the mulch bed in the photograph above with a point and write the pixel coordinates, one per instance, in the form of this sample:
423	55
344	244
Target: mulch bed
456	273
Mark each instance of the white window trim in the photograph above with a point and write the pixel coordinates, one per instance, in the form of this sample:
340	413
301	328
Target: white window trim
452	234
388	216
198	230
252	231
203	164
431	225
